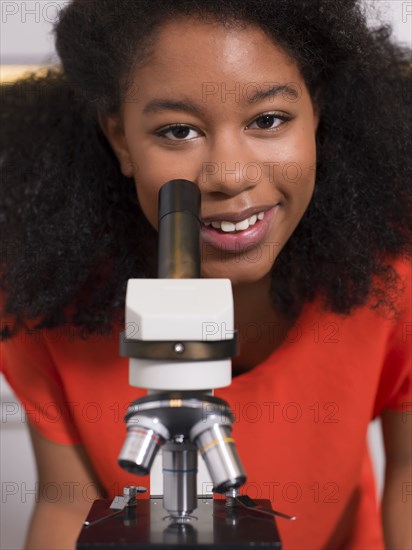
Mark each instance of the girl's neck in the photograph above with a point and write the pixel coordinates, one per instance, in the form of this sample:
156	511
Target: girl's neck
261	330
251	301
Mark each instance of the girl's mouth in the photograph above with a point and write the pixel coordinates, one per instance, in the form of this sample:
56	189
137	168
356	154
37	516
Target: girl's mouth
238	237
230	227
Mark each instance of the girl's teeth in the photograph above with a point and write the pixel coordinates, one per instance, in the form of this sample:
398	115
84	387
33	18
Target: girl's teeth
242	225
229	227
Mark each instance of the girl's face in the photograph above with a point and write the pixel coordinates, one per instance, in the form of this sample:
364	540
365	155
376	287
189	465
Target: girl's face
228	110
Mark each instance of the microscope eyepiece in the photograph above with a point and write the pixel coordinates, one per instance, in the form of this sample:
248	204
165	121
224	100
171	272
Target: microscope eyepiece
179	196
179	230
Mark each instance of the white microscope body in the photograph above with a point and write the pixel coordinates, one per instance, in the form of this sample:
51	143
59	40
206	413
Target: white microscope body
179	310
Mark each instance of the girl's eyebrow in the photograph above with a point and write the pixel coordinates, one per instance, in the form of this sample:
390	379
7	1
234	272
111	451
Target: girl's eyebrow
158	105
188	106
290	93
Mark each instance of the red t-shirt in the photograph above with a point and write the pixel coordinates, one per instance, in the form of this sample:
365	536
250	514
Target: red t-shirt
302	414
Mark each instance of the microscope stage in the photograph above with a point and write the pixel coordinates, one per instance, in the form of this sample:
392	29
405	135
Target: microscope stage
146	525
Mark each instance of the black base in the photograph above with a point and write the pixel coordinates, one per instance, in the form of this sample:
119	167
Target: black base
212	525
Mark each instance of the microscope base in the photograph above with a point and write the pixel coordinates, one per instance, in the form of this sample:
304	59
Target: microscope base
146	525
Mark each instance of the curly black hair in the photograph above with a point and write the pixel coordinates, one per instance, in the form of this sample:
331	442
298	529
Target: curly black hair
73	231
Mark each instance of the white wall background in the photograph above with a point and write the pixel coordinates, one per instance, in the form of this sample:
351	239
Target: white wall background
26	26
26	38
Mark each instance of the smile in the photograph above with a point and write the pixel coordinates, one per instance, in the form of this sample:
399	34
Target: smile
240	236
230	227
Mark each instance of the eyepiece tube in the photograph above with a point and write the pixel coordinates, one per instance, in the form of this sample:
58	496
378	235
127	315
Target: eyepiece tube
179	230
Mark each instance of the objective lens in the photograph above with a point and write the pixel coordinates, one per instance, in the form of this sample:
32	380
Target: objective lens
144	438
179	478
213	438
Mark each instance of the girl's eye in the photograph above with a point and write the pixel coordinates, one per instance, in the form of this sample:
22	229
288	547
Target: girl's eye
267	122
178	132
183	132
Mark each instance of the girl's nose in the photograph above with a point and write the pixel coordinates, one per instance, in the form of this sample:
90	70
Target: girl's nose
228	168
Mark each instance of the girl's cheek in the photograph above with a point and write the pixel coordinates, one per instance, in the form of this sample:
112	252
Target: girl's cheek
147	197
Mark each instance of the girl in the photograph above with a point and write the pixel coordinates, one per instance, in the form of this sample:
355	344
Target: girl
293	119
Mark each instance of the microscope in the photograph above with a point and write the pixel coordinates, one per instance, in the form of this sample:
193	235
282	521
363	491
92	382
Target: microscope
180	361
